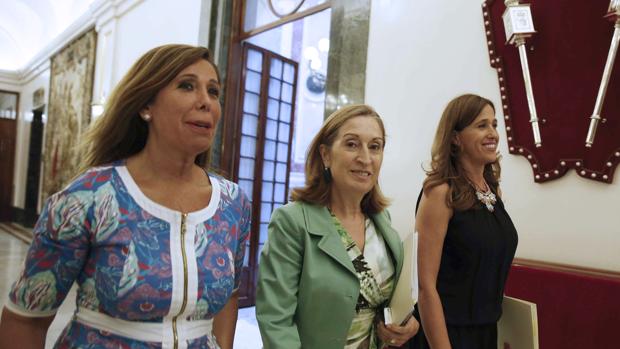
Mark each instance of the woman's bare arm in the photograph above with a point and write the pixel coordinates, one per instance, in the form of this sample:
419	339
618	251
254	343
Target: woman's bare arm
432	223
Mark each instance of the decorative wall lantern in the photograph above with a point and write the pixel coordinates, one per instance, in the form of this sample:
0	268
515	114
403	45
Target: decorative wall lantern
613	14
519	26
563	65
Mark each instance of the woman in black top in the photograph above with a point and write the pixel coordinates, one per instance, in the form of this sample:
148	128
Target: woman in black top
467	240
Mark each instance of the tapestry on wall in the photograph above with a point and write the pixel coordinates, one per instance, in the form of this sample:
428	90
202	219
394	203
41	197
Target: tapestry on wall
71	88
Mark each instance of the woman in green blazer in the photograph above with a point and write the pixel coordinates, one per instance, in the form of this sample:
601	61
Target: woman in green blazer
332	258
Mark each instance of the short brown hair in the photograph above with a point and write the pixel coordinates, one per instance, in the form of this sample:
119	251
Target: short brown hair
317	190
120	132
445	168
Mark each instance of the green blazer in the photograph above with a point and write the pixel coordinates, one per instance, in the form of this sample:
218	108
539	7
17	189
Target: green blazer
307	285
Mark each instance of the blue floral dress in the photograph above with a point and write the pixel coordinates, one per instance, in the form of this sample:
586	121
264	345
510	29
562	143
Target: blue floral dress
148	276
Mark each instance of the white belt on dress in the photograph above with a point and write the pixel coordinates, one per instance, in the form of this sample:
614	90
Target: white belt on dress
144	331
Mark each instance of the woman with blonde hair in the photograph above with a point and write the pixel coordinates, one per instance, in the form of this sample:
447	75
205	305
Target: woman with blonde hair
332	257
154	242
466	239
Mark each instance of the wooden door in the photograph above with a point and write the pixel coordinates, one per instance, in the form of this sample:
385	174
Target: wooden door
267	99
8	128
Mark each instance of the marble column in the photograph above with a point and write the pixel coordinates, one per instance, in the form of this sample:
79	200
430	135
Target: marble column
346	70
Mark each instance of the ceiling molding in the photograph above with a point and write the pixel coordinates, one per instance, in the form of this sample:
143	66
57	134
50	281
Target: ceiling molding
98	14
9	77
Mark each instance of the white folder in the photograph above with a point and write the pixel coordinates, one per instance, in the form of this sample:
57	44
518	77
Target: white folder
406	292
518	326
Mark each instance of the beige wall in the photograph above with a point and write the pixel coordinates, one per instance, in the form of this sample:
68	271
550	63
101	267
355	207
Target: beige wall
420	55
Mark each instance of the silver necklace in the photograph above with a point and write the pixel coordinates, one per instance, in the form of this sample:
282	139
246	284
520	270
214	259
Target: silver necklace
486	197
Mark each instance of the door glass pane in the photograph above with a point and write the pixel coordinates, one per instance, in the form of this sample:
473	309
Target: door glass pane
283	132
246	168
268	169
250	123
263	233
272	109
265	212
289	73
248	146
267	194
270	150
278	193
252	82
250	103
246	186
281	172
274	88
282	152
287	92
272	130
255	60
276	68
246	257
285	112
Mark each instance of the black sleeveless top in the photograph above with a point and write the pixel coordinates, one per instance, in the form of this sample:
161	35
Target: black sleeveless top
477	253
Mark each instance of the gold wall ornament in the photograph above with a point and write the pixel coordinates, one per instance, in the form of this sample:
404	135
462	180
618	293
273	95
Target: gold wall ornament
519	25
613	14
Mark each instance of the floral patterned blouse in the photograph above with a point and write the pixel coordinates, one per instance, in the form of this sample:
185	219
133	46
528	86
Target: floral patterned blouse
148	276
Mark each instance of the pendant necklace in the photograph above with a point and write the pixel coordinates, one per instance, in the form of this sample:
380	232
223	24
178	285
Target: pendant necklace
486	197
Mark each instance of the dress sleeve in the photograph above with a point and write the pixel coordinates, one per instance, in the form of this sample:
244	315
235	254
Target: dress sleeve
244	235
55	257
279	271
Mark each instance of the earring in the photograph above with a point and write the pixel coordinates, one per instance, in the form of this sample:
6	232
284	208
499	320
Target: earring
327	174
146	117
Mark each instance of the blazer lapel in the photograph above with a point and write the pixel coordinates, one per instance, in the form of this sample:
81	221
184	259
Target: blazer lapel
319	223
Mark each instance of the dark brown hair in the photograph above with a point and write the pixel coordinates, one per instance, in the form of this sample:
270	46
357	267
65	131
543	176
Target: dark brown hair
317	190
120	132
445	167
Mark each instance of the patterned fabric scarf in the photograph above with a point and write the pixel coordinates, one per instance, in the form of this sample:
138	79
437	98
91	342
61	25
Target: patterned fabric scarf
375	285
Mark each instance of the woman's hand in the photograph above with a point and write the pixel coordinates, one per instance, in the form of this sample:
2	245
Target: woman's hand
396	336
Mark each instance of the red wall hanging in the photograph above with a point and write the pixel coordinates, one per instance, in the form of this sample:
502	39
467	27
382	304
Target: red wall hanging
567	55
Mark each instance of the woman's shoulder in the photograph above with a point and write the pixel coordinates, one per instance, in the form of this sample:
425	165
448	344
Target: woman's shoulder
91	179
437	192
229	188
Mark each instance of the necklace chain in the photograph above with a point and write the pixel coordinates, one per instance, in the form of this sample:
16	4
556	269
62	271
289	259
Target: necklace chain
486	196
